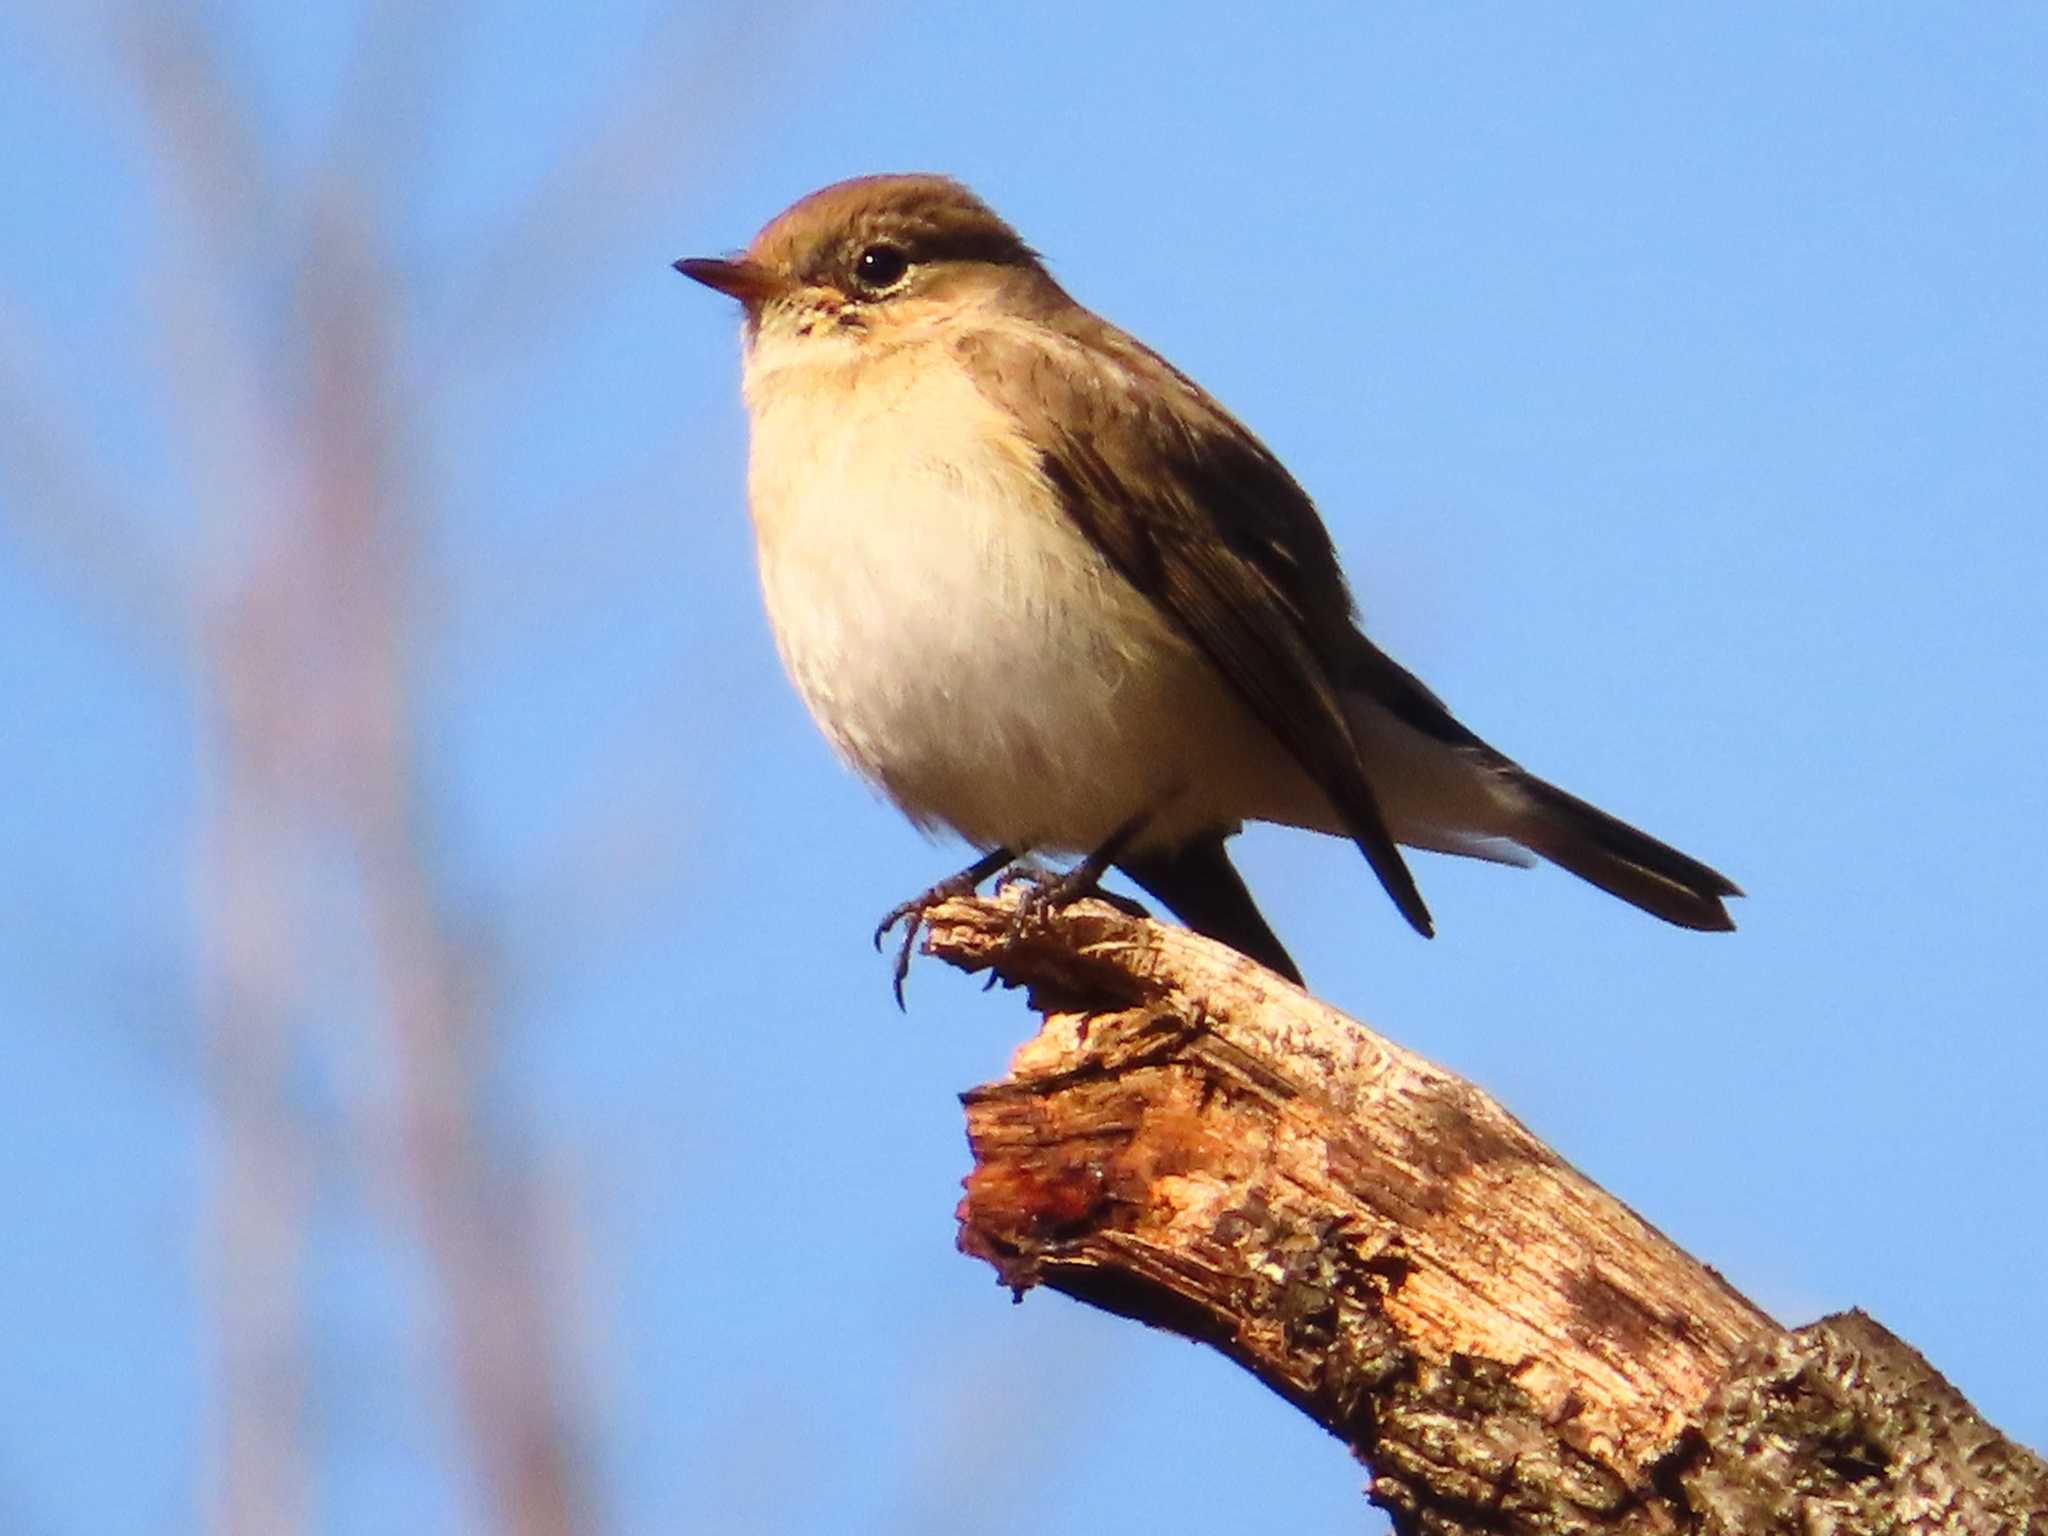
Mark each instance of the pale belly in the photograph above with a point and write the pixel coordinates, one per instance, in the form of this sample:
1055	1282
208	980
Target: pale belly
967	650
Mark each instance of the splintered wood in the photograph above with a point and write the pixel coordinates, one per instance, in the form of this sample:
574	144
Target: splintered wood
1191	1141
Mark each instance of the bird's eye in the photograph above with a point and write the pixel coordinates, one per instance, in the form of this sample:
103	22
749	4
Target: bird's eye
880	268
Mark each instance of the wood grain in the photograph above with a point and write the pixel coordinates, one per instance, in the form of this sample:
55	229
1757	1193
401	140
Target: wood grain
1191	1141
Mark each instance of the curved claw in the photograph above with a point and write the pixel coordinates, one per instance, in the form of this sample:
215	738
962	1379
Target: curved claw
900	972
912	913
893	916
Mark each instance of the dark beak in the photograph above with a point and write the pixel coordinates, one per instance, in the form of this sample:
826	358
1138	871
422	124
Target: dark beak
748	281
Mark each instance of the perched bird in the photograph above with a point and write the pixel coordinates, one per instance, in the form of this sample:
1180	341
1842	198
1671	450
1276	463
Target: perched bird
1042	590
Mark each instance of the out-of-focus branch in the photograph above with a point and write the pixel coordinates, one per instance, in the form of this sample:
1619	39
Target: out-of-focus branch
66	518
307	669
1195	1143
251	958
475	1221
311	414
208	154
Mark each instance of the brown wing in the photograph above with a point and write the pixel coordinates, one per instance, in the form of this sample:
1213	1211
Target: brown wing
1203	520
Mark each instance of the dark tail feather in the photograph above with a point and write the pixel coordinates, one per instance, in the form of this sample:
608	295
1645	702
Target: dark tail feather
1624	862
1206	892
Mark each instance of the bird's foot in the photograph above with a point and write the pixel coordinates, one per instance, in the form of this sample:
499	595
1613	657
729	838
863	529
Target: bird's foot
1048	890
912	913
1030	872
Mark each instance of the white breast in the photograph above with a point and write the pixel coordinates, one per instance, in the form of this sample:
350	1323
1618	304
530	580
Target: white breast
957	639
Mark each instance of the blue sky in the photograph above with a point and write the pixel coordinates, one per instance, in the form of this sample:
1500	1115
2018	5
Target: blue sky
1673	383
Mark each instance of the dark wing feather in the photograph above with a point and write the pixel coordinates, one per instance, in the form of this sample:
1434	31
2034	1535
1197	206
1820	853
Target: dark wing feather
1208	894
1203	520
1367	669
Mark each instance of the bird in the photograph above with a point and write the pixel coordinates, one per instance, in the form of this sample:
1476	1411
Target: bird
1040	589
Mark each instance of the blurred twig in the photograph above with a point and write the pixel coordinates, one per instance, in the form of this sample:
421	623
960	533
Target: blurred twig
63	515
310	412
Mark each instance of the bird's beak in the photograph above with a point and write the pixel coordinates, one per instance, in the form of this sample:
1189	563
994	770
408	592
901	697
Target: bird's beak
748	281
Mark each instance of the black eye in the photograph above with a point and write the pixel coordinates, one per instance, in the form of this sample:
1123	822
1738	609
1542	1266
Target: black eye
880	268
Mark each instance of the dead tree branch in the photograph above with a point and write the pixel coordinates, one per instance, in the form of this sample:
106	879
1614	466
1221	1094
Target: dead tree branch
1194	1143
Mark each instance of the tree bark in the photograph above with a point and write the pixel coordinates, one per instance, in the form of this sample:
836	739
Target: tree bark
1193	1142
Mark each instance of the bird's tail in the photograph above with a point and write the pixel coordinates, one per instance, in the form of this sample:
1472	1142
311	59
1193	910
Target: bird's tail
1613	855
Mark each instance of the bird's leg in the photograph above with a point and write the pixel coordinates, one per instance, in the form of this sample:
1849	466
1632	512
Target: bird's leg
1084	879
911	913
